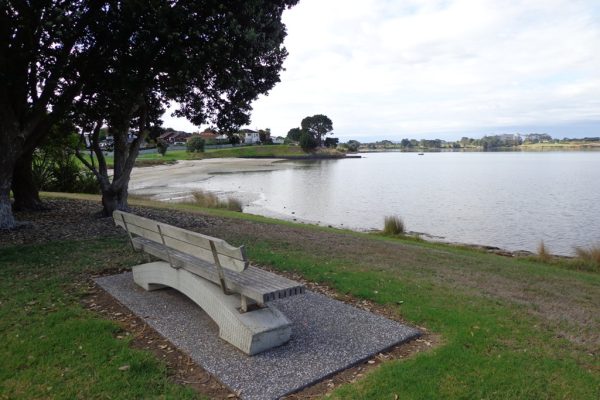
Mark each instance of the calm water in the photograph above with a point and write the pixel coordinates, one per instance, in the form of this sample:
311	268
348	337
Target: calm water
510	200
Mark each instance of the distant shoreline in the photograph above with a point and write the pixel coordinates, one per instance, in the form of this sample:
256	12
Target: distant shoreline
521	148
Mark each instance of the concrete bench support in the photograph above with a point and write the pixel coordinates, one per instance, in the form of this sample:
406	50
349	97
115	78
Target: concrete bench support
251	332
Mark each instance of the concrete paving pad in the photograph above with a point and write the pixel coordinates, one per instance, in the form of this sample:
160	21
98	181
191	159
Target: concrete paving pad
328	336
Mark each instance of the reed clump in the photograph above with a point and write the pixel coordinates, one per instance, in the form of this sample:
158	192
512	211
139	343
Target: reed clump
393	225
211	200
590	255
234	205
543	253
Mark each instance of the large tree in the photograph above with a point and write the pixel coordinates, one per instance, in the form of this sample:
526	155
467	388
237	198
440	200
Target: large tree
117	63
213	58
45	48
294	134
317	126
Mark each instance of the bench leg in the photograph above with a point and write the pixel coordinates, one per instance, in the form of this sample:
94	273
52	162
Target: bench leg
252	332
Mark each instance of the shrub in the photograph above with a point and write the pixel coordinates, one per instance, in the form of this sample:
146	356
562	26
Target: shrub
64	175
543	253
87	182
393	225
331	142
353	145
195	144
307	142
162	146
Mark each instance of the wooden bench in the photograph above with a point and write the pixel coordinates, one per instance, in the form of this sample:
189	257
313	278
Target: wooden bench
217	277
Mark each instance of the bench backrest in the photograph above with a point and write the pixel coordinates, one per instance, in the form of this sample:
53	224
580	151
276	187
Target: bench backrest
204	247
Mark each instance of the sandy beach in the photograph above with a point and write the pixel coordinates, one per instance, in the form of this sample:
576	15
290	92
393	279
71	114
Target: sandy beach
178	181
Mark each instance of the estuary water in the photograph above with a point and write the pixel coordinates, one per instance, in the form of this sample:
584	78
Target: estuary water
511	200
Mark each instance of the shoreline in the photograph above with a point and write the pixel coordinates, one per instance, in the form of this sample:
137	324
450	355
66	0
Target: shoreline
183	178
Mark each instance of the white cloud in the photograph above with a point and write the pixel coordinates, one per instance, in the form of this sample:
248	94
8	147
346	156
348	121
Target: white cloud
394	69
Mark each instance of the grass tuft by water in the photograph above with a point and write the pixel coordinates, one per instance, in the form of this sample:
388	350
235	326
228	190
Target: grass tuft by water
393	225
543	253
589	256
211	200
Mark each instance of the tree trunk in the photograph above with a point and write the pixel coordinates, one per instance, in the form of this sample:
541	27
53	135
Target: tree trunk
25	191
7	220
114	199
10	149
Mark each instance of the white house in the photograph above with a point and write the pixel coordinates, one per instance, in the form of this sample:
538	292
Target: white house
278	140
250	136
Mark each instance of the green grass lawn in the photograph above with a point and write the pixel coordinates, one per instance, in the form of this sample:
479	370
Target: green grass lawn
491	350
273	151
499	337
51	347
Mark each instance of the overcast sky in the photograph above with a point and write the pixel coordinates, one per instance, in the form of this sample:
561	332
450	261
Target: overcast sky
438	68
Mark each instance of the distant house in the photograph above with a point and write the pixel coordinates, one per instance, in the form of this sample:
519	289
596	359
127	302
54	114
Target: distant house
209	136
249	136
278	140
172	136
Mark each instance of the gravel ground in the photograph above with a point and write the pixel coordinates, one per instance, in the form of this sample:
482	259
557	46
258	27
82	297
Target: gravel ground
328	336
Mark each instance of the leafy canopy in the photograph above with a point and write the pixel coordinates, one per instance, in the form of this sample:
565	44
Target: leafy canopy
294	134
317	126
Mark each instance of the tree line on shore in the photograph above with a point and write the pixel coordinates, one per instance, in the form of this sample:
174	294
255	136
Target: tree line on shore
119	64
490	142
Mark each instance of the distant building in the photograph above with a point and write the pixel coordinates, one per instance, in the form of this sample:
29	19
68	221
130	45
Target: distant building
249	136
278	140
172	136
209	136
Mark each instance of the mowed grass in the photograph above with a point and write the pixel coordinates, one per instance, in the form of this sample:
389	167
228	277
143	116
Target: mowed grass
491	347
273	151
51	347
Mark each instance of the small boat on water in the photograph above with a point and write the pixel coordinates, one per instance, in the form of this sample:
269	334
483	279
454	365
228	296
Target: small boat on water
421	154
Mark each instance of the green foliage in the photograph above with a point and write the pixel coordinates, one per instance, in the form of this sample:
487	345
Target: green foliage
294	134
353	145
55	167
331	142
393	225
162	146
317	126
265	136
308	142
234	139
195	144
87	182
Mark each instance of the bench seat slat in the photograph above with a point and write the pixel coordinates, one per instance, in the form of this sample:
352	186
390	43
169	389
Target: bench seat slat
254	283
